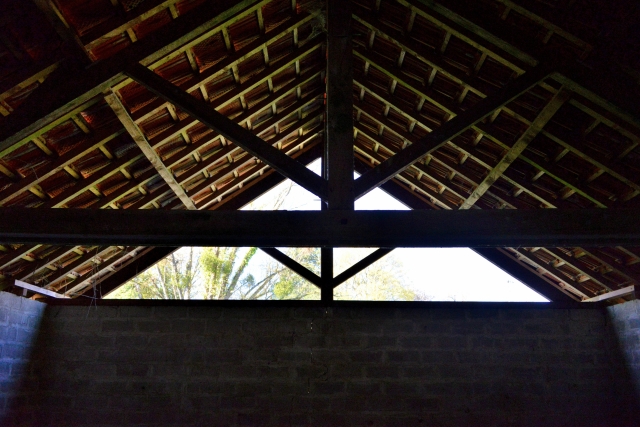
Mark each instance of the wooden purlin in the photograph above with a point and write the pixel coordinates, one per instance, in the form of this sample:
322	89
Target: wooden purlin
533	163
240	136
551	169
478	156
173	160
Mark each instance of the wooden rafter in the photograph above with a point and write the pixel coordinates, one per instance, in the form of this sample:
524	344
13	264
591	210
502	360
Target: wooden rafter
449	130
151	155
521	144
241	136
82	86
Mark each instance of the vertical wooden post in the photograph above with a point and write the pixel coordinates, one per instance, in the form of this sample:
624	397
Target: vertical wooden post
338	156
326	273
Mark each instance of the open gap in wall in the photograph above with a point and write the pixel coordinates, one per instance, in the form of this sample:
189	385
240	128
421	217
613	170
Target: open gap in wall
222	273
440	274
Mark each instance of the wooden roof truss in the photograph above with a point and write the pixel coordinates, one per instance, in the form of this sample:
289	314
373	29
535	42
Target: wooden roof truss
446	107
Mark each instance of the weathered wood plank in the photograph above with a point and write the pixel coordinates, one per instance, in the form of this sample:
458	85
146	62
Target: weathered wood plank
521	144
146	148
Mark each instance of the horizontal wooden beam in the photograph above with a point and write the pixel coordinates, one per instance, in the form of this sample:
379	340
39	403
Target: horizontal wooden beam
469	228
242	137
629	290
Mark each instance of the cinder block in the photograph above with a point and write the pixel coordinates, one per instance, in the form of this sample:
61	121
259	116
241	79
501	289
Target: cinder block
327	387
188	326
423	404
416	342
454	342
435	357
382	371
381	342
414	372
14	351
365	356
363	388
117	326
350	371
128	312
398	328
410	356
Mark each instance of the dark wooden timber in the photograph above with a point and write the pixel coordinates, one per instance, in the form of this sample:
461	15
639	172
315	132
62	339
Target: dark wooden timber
469	228
326	272
360	265
242	137
454	127
339	106
293	265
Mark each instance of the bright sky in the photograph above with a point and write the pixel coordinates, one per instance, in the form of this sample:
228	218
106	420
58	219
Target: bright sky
446	274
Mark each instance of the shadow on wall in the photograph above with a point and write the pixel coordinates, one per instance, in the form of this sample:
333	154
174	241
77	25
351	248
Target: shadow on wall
20	320
507	364
624	323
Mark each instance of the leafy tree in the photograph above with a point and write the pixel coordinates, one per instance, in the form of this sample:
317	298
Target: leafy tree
174	277
289	285
381	281
221	276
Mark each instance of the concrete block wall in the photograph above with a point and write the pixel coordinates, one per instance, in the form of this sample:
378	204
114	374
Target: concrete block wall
625	322
340	366
19	325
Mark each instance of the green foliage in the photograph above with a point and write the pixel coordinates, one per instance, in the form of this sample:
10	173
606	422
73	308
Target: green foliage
174	277
291	286
221	276
381	281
